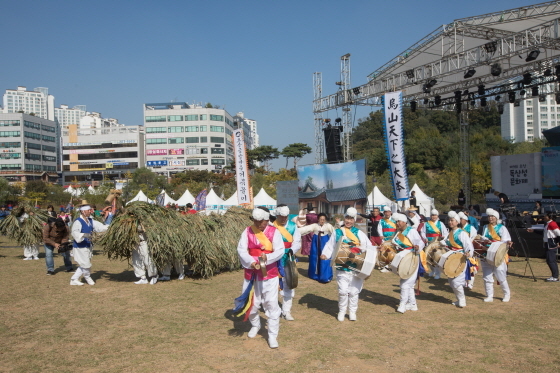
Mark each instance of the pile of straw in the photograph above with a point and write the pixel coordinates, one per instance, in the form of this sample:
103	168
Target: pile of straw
24	225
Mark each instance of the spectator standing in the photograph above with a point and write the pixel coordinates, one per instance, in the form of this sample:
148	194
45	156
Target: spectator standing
551	232
55	233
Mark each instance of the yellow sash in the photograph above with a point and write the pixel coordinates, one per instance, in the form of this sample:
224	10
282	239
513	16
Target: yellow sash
284	232
392	224
404	239
351	236
452	241
263	239
493	233
434	227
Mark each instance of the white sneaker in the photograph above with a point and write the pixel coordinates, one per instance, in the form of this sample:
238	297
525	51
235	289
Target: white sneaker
164	278
153	281
352	316
341	316
253	332
506	298
36	258
411	307
142	281
384	270
272	342
76	282
436	277
181	277
288	316
552	279
89	280
489	299
27	258
402	308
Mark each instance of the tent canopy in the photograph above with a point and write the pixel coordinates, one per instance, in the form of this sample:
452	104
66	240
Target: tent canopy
263	199
377	199
212	199
166	199
140	197
232	201
187	197
425	203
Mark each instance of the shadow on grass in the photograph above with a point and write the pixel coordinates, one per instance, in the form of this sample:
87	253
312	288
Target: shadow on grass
240	327
325	305
125	276
379	299
443	285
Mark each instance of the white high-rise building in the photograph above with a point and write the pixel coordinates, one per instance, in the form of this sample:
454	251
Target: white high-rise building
526	121
252	125
65	116
37	102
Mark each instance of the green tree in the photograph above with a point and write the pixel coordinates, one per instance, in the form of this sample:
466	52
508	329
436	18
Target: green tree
264	153
209	105
296	151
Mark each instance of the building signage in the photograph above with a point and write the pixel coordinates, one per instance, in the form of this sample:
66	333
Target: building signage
177	163
241	169
156	163
156	152
176	151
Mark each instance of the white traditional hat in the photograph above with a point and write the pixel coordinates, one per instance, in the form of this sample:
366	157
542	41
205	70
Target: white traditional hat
282	211
398	216
453	215
463	216
85	207
260	214
351	212
492	212
434	212
386	208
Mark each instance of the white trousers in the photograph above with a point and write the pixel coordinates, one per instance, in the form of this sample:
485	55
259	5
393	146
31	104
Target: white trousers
459	281
349	287
287	297
31	251
142	261
179	268
407	289
81	271
266	295
488	273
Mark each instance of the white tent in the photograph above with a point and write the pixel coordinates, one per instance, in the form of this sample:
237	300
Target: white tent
214	204
91	189
263	199
166	199
232	201
74	192
140	197
187	197
377	199
425	203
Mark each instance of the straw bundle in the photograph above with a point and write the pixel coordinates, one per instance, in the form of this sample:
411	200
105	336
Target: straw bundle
24	225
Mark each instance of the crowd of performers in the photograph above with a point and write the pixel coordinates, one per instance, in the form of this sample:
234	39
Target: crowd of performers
269	244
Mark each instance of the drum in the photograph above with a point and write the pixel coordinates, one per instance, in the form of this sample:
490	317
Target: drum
360	264
496	253
453	263
434	251
405	264
386	253
480	246
290	270
367	265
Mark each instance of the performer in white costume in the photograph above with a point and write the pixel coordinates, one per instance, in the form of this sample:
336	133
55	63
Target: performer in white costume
142	261
433	229
471	231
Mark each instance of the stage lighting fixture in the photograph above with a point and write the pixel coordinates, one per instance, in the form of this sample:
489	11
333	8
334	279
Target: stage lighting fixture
535	91
527	78
327	120
547	72
458	101
437	100
338	120
483	101
511	96
413	106
522	92
431	83
532	55
557	70
481	90
558	98
410	73
426	88
517	103
356	91
491	47
496	69
466	92
542	98
469	73
473	103
500	109
426	101
498	98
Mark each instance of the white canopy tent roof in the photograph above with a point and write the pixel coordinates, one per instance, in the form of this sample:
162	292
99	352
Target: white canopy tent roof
232	201
187	197
212	199
263	199
378	199
140	197
74	192
166	199
425	203
91	189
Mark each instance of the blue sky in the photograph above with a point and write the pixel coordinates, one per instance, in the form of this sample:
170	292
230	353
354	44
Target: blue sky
251	56
341	174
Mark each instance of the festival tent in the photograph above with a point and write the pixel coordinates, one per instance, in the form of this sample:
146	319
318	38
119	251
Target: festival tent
140	197
91	189
166	199
377	199
74	192
425	203
232	201
263	199
214	203
187	197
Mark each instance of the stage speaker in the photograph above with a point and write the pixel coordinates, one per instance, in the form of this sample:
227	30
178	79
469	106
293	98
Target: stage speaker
332	144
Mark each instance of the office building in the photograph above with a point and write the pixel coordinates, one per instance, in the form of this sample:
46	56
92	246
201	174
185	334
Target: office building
183	137
65	115
37	102
249	125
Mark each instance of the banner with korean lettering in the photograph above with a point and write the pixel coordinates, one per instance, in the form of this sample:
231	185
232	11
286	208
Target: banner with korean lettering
394	143
241	169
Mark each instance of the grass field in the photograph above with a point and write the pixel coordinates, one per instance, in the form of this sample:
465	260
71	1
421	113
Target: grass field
117	326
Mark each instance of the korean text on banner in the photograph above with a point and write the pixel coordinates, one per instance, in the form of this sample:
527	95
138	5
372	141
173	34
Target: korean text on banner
241	171
394	143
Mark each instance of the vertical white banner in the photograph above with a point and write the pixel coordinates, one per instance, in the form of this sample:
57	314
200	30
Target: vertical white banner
241	171
394	143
